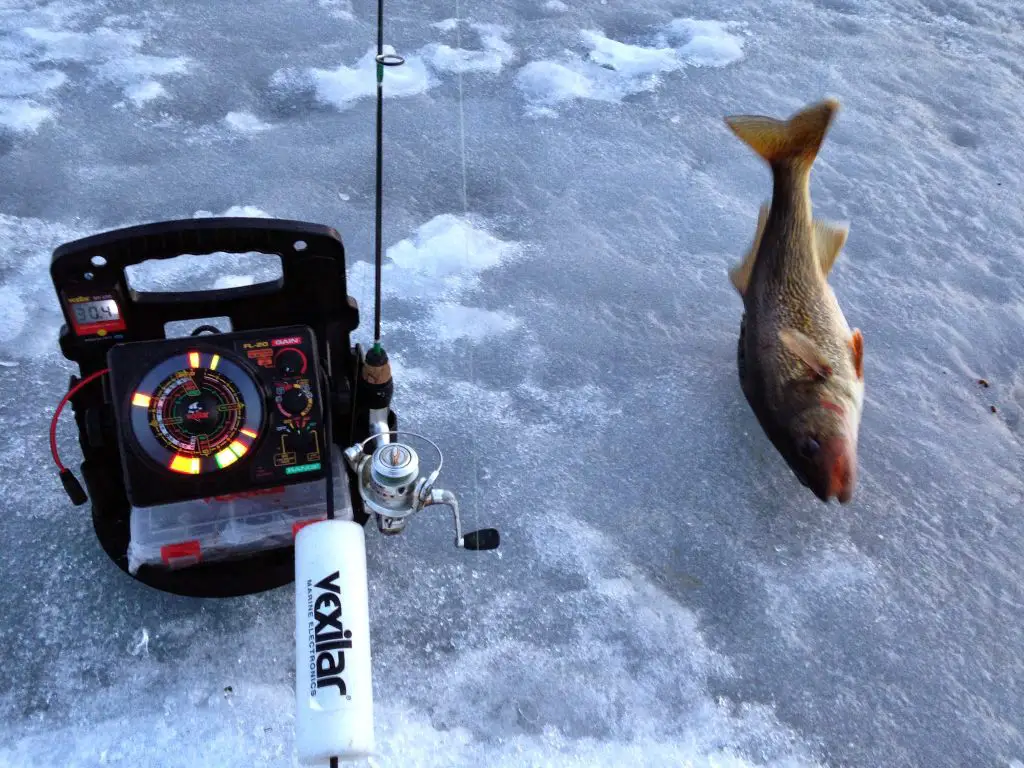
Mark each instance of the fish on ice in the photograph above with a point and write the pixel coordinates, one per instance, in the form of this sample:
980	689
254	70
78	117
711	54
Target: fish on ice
801	367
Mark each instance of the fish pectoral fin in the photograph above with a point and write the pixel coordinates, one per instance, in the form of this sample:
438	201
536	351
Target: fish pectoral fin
740	274
857	347
829	239
800	345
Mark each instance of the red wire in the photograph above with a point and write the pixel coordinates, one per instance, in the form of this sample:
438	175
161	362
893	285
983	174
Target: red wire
53	423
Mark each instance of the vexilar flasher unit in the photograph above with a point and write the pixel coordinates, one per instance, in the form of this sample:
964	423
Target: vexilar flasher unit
213	415
198	407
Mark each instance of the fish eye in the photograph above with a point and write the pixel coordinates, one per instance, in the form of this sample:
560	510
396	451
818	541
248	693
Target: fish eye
808	447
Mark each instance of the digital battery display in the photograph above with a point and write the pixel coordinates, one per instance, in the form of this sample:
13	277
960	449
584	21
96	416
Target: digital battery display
95	315
103	311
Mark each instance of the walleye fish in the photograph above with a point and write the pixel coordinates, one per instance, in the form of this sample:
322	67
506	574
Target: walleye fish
801	368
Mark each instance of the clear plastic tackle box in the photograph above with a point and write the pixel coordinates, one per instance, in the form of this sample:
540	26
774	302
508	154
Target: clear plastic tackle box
222	527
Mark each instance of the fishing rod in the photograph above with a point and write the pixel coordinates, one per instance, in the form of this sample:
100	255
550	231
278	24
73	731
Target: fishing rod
333	681
383	60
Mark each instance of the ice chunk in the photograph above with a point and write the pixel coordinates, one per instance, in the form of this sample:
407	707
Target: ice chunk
447	25
548	82
250	211
450	247
454	321
496	53
630	60
343	86
706	43
146	91
614	69
23	116
245	122
440	264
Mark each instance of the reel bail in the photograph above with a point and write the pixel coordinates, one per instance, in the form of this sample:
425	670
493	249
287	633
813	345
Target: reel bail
392	487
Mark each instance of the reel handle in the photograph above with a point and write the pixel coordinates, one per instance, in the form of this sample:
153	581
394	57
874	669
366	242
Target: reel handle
484	539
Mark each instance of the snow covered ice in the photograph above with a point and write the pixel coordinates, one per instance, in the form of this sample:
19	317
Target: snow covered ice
614	69
666	593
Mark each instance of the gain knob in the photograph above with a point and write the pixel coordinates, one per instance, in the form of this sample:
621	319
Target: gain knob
294	401
291	361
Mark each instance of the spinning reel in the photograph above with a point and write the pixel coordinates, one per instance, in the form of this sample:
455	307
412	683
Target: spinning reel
391	486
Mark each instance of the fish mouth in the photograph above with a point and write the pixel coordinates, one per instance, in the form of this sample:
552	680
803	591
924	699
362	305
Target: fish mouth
834	475
841	470
842	494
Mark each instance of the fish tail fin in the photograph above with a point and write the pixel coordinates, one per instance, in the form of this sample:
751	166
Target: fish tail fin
796	140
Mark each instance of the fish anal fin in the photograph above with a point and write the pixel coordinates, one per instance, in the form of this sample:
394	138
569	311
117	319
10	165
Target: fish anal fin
829	239
857	347
740	274
800	345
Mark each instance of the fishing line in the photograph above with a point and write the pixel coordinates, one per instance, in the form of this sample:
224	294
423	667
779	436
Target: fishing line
465	216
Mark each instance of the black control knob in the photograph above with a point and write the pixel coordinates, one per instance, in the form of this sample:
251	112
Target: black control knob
294	401
291	361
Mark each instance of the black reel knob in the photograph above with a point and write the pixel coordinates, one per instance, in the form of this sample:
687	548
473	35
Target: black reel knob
485	538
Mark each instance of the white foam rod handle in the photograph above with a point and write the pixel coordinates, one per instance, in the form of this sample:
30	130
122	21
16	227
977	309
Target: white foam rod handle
333	682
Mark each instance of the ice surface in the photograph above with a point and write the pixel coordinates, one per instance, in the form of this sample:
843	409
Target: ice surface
14	316
495	54
32	49
147	90
559	318
245	122
339	9
444	261
705	43
614	69
19	79
343	86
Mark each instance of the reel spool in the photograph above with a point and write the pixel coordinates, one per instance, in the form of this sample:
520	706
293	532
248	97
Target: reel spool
391	486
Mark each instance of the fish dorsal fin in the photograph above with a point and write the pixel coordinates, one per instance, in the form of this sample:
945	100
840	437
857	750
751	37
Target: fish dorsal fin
740	274
829	239
800	345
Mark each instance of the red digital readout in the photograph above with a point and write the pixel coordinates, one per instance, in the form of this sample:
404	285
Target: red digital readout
94	315
263	357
